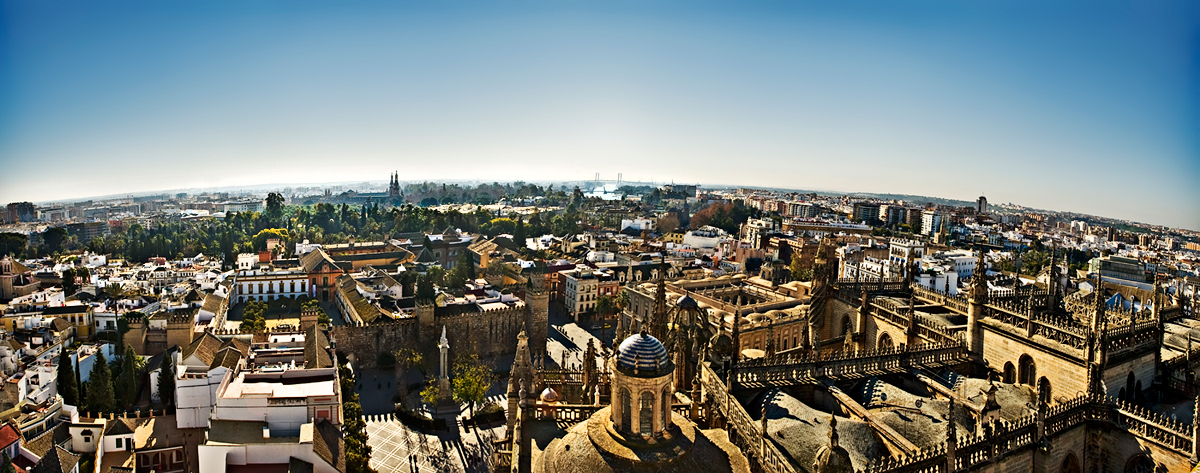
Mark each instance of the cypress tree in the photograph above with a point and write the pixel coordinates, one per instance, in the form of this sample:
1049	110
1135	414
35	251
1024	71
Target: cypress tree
166	380
7	465
129	377
100	387
66	380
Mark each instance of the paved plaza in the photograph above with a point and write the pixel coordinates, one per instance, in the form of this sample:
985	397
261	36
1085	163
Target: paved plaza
398	448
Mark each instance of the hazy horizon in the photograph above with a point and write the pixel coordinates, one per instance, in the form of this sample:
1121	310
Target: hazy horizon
272	186
1079	107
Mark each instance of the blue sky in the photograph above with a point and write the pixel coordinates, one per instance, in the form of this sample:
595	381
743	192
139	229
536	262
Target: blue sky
1088	106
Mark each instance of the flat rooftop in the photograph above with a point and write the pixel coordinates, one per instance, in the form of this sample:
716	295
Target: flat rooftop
284	384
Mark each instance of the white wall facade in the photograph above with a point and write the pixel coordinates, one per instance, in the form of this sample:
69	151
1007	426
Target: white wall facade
195	398
216	458
266	286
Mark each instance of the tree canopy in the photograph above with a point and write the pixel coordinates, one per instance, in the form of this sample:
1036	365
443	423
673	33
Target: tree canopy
166	380
67	382
472	379
728	217
254	317
100	398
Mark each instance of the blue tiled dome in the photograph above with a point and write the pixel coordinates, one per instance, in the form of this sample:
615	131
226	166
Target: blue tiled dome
643	355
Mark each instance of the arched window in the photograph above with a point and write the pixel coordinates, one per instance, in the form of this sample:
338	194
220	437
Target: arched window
847	326
885	342
1129	392
1010	373
1139	464
646	414
1043	390
626	401
1070	464
1026	371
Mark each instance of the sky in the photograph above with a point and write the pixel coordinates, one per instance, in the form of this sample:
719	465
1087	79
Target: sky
1082	106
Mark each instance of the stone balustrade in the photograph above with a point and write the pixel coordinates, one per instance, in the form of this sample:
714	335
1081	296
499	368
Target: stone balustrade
793	369
976	452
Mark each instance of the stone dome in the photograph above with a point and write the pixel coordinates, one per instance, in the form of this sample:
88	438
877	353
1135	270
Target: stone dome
644	356
833	458
592	446
686	302
549	395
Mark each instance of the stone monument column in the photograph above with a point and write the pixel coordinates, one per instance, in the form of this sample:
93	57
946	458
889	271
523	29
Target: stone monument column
443	379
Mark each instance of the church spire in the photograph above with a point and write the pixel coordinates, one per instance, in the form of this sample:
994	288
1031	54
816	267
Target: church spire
1098	349
737	331
979	278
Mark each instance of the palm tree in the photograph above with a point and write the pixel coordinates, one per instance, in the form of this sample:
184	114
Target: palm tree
604	306
622	301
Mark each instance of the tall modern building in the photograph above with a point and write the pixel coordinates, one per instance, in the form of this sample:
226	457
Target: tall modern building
981	205
931	222
21	212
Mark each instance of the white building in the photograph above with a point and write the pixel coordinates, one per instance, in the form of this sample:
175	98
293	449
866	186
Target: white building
580	291
638	224
941	281
265	285
703	239
871	269
317	447
905	252
246	261
242	206
305	248
601	256
284	398
200	368
105	318
931	222
961	262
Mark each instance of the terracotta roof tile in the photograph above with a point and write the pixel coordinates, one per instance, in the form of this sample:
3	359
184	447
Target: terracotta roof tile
8	435
42	444
205	348
227	357
328	444
57	460
315	353
119	426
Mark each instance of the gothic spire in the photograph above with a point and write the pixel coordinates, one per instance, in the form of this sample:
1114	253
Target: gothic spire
1098	349
737	330
833	434
979	278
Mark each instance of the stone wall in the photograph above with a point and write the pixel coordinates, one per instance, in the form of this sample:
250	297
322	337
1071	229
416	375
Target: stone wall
365	342
1117	447
877	326
487	333
836	310
1142	368
1067	376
